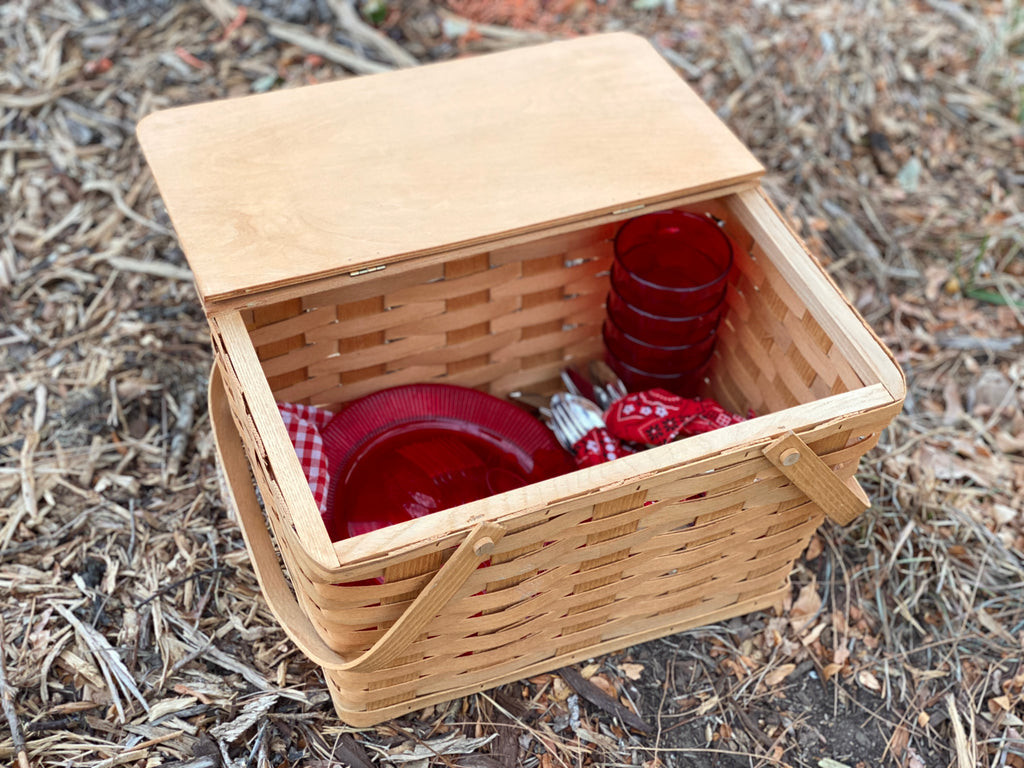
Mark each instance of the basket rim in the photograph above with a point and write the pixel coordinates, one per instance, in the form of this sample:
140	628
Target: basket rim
447	527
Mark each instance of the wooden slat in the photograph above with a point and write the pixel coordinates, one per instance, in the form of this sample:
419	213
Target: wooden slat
335	202
597	239
345	290
242	365
551	278
294	325
450	319
823	299
380	321
450	288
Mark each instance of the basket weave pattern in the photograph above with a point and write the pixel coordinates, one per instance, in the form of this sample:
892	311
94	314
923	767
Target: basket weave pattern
638	555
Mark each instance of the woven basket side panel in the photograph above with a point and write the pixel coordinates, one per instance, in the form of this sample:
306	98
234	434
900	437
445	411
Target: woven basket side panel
498	321
355	609
626	566
461	681
772	353
565	574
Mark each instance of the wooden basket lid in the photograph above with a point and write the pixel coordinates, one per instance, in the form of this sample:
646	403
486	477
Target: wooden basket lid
282	188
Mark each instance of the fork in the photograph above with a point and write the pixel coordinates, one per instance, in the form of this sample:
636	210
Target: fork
579	426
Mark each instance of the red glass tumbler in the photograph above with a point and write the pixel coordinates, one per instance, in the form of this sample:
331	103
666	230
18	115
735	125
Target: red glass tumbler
653	358
682	383
672	264
658	330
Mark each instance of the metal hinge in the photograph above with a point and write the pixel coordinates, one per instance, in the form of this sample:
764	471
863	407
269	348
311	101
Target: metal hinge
367	270
629	209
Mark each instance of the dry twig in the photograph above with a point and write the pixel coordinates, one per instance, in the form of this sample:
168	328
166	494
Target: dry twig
7	702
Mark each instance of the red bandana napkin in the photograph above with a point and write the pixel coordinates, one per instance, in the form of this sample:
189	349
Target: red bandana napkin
656	417
599	446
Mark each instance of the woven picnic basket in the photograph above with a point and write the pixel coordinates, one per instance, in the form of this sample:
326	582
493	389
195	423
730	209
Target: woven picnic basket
454	223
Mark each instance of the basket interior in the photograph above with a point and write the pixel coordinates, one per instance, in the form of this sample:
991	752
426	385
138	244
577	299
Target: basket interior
511	319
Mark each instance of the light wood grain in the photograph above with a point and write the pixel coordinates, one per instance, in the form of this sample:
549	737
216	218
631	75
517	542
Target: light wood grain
810	474
586	563
279	188
849	333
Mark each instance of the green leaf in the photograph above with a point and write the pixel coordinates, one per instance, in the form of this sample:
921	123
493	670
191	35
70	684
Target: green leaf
991	297
374	11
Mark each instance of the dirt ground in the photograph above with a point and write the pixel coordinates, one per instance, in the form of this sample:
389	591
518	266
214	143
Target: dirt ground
133	632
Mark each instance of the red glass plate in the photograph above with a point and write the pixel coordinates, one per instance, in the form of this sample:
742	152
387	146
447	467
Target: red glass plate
409	451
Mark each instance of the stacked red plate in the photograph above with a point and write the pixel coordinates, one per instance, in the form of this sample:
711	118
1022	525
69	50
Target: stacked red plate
409	451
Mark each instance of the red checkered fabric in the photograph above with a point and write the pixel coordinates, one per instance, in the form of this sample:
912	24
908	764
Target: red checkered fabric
304	424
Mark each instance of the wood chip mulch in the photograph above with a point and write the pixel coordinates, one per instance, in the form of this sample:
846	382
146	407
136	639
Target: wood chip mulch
132	632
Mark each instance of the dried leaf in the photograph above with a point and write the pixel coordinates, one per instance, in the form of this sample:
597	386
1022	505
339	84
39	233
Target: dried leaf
559	690
841	655
779	674
601	700
351	752
815	547
707	706
806	607
988	622
632	671
899	740
605	685
452	744
869	681
999	704
812	637
830	671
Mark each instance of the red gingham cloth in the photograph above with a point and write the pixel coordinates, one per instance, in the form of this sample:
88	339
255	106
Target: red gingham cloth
304	424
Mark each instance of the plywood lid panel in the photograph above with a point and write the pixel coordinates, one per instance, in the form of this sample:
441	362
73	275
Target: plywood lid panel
286	187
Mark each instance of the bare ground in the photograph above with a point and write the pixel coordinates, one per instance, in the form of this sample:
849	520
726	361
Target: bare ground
133	631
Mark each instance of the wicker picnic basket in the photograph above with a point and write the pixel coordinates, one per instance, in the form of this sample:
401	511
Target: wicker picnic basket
453	223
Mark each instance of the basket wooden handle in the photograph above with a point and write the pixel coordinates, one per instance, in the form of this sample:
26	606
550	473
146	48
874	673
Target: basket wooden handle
241	497
841	501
